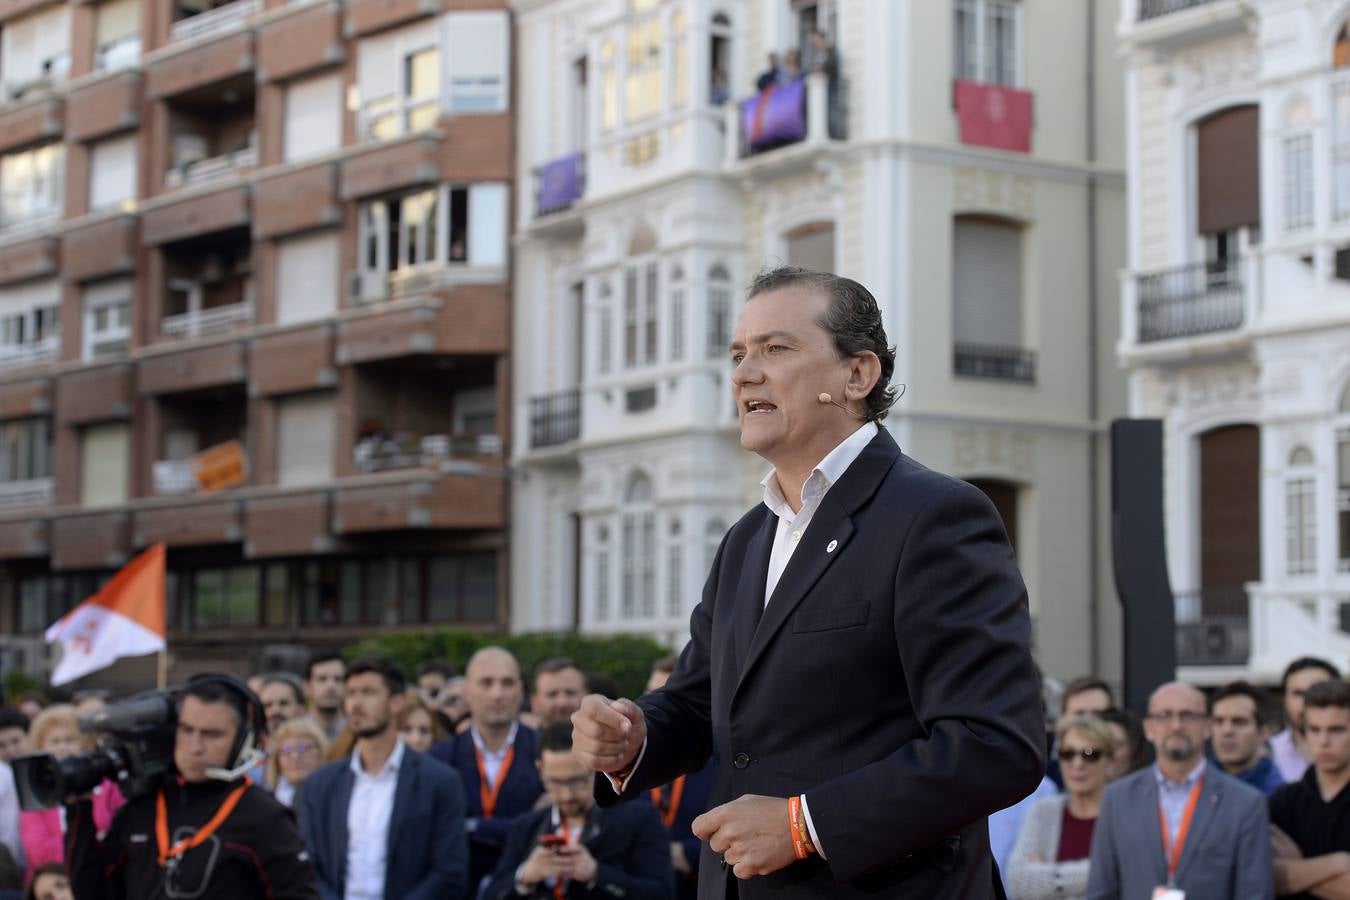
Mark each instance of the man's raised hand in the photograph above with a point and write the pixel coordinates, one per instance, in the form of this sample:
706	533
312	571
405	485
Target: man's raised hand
607	735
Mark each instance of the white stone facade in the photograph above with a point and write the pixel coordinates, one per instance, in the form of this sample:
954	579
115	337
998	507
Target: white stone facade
622	495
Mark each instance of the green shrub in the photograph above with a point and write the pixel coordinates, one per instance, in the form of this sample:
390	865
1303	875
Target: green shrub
625	658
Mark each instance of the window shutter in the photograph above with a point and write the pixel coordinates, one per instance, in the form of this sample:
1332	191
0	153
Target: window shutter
112	172
105	463
313	117
987	283
1228	170
487	224
306	430
377	67
478	49
307	276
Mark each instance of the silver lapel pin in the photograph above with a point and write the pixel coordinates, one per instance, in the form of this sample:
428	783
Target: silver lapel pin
829	548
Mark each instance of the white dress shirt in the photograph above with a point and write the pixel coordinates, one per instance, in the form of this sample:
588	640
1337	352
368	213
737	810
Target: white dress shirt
368	814
492	761
284	792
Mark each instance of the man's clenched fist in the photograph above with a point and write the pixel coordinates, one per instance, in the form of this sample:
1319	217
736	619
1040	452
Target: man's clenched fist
607	735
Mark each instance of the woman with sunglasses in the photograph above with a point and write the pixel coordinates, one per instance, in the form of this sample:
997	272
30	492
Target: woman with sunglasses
1050	859
297	749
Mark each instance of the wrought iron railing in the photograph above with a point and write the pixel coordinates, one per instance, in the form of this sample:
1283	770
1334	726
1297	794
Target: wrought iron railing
1200	298
1213	627
555	418
1151	9
992	361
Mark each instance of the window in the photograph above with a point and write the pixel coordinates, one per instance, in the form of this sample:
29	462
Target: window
719	313
605	326
31	183
398	80
1343	487
679	61
105	464
1300	515
313	117
677	314
985	41
651	318
638	526
462	588
719	59
449	224
1298	182
478	61
35	51
812	247
112	172
225	597
107	318
644	76
307	272
306	436
421	87
640	314
986	282
25	449
117	34
601	574
675	572
1340	147
609	87
30	323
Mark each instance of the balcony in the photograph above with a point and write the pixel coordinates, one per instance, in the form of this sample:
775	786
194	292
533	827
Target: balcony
559	184
555	418
1151	9
1188	301
213	21
996	362
206	322
216	168
26	494
1170	25
33	353
798	112
380	454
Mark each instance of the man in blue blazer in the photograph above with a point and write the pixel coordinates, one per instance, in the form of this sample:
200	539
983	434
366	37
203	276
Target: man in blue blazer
494	757
859	665
575	851
1181	823
388	822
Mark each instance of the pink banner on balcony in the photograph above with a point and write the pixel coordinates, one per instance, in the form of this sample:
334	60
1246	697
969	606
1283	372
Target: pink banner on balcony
992	115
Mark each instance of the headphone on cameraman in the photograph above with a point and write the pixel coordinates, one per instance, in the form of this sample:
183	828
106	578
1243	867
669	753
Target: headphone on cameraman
246	751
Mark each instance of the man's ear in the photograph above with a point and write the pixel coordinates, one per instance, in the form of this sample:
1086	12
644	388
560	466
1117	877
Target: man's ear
864	371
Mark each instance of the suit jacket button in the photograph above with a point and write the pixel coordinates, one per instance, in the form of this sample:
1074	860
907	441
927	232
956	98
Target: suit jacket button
740	760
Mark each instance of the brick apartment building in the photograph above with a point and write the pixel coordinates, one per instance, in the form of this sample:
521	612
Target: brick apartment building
285	224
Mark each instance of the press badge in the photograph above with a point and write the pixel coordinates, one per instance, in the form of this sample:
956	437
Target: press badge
1168	893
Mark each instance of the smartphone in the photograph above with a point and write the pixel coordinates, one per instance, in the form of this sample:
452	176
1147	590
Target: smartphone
552	841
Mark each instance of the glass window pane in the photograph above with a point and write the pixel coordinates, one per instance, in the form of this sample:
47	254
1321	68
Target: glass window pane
410	591
276	598
422	74
480	587
208	599
349	593
242	595
442	589
382	598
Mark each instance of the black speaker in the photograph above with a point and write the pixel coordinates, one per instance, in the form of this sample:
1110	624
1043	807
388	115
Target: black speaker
1139	558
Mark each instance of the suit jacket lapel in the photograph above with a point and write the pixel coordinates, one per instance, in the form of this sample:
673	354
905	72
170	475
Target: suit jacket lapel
404	790
832	523
749	597
342	801
1206	809
1151	829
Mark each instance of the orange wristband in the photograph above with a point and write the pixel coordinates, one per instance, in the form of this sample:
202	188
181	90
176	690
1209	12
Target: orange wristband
801	835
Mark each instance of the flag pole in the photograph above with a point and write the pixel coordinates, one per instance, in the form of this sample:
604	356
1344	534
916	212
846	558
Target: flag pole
162	670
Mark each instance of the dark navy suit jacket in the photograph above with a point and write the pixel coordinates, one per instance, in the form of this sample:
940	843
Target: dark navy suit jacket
519	793
428	856
632	855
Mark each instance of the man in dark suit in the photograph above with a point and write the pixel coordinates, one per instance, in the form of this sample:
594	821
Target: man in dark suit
494	757
859	664
573	849
388	822
681	802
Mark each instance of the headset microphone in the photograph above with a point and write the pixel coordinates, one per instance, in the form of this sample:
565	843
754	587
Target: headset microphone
824	397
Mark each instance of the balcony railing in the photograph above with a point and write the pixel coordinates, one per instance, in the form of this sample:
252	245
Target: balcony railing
30	354
222	18
379	454
559	184
207	321
992	361
1151	9
555	418
808	109
1201	298
24	494
1213	627
216	168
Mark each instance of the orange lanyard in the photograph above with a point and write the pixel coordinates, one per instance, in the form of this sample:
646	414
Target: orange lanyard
487	792
559	886
166	852
1173	851
669	805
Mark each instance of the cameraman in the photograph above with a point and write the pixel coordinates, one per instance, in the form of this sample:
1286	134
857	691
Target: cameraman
206	832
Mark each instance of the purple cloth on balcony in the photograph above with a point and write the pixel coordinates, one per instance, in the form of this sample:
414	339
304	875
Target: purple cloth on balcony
560	183
776	116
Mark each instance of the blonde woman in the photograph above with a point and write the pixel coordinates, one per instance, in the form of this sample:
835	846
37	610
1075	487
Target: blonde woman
1050	859
297	750
56	730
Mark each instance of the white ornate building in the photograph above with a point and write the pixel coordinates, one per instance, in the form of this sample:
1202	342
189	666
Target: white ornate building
966	165
1236	317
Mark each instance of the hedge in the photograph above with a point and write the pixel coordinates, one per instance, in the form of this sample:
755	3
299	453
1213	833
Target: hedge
625	658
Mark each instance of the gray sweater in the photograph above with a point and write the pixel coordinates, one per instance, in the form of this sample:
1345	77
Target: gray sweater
1039	837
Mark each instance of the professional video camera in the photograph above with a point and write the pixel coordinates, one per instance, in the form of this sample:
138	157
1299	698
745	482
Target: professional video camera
136	738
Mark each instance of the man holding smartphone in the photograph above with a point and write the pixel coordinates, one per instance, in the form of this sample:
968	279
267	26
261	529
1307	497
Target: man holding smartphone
572	849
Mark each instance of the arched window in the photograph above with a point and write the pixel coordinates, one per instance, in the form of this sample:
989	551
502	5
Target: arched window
719	312
677	313
639	549
675	569
601	574
719	60
1300	514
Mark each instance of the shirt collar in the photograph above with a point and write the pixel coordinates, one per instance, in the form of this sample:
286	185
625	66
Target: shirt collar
824	475
482	745
391	764
1188	782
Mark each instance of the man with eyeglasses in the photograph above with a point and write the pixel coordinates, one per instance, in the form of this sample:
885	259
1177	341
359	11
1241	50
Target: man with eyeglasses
1181	829
572	849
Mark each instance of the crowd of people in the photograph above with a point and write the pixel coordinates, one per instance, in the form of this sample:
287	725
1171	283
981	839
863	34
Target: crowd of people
448	786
